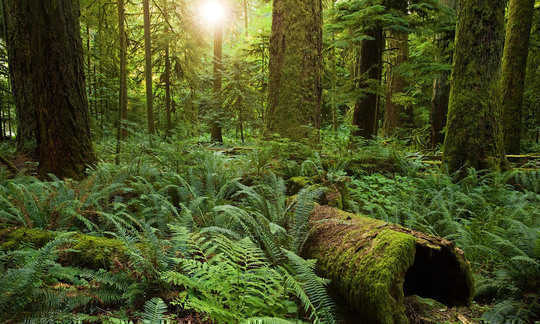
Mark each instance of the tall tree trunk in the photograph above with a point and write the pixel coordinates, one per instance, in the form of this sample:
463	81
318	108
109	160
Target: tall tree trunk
98	78
439	107
514	66
294	90
167	72
54	70
474	135
10	131
89	68
369	69
333	59
2	132
216	131
122	100
148	68
396	114
441	85
18	46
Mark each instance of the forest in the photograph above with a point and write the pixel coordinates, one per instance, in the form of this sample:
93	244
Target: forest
270	161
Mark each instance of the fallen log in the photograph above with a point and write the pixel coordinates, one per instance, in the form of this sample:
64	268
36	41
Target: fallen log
83	250
373	265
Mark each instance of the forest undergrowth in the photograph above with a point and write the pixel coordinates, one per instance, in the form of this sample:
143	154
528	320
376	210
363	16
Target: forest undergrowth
211	234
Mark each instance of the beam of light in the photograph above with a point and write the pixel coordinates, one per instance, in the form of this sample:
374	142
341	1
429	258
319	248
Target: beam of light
213	12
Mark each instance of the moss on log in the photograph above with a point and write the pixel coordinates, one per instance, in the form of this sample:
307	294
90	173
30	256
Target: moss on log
86	251
373	265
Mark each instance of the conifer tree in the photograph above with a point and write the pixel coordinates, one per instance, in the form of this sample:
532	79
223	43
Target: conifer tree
294	99
148	67
50	79
474	135
514	65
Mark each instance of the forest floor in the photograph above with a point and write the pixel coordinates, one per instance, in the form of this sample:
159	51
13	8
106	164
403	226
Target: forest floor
493	217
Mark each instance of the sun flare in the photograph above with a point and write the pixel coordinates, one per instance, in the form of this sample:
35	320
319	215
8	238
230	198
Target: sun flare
213	12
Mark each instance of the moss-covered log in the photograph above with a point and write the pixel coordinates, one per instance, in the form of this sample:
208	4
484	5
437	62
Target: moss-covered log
373	265
83	250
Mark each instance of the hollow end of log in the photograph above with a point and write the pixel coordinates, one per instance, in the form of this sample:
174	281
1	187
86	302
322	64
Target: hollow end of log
374	265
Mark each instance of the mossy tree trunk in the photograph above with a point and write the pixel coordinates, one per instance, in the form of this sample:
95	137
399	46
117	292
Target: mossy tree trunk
474	133
52	74
368	73
168	109
295	91
441	84
514	66
396	113
148	67
439	108
122	95
215	128
373	265
17	25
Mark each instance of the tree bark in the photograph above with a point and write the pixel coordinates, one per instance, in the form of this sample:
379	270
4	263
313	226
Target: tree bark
122	98
439	108
294	90
2	133
441	86
369	71
148	68
18	42
373	265
167	73
52	73
216	131
514	66
395	114
474	133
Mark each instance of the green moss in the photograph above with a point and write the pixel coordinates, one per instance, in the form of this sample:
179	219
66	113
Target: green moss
295	184
84	250
368	259
465	269
514	64
294	89
12	239
96	252
371	271
474	136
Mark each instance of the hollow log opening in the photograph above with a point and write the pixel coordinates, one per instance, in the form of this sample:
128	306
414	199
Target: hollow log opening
374	265
437	274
